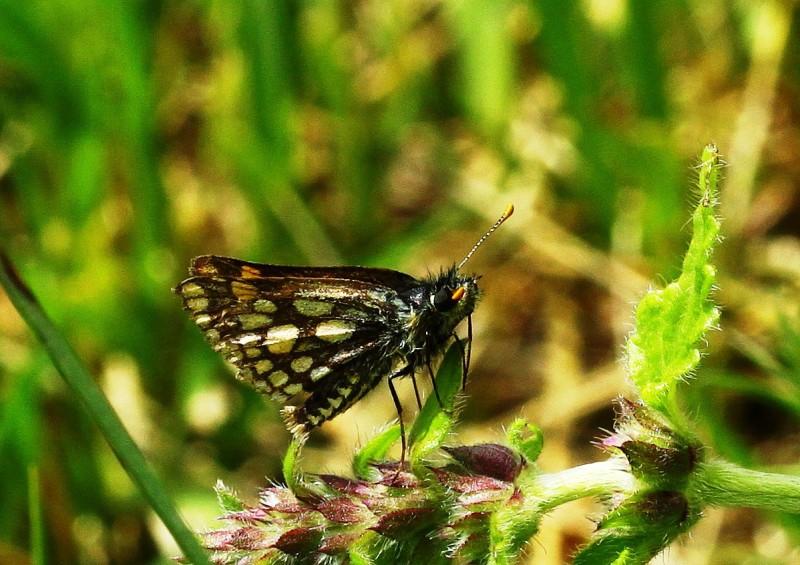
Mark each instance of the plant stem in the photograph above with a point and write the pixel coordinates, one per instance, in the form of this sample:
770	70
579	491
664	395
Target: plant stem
720	483
593	479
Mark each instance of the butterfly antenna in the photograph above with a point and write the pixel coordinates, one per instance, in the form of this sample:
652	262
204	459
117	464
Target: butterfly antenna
506	215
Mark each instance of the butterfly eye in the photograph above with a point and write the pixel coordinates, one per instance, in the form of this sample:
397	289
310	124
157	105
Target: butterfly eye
446	299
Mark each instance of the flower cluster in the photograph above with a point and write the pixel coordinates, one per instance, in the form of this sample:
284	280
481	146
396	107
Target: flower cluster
444	511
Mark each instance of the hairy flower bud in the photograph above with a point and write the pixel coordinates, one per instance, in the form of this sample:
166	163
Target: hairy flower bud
490	459
657	454
327	517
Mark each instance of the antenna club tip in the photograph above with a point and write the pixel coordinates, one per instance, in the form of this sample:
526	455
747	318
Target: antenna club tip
509	210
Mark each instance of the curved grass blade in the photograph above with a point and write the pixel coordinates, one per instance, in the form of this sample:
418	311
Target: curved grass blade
71	368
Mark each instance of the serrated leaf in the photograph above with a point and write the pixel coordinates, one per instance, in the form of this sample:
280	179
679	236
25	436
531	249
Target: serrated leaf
227	498
663	349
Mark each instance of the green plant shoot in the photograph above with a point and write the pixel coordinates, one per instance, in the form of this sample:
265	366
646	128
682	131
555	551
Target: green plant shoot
663	348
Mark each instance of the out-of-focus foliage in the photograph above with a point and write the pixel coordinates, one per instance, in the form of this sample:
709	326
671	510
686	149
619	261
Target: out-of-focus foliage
386	133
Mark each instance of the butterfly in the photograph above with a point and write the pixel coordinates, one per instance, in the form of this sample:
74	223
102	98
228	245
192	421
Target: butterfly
327	335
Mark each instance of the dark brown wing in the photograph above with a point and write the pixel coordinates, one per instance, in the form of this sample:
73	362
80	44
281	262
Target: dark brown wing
215	265
326	333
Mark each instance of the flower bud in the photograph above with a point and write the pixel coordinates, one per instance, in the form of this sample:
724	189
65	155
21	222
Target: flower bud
489	459
656	453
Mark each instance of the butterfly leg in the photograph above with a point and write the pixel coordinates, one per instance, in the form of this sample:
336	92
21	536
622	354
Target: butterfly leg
466	352
416	392
447	411
399	407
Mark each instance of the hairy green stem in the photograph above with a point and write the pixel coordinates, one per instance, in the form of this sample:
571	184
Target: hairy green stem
593	479
720	483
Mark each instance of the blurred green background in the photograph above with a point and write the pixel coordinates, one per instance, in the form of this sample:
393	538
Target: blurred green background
136	135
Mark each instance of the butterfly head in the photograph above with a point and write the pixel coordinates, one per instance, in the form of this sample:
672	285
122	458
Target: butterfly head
452	295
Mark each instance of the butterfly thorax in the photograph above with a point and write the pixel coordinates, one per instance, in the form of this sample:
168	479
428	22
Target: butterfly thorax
433	314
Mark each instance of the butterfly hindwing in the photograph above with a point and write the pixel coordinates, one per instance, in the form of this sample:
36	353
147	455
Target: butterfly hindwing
329	337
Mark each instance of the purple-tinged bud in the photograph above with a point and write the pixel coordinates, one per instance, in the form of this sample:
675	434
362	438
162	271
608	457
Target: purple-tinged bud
403	523
489	459
393	476
348	486
338	544
300	541
649	460
322	517
245	538
341	510
613	440
474	490
656	453
279	499
249	515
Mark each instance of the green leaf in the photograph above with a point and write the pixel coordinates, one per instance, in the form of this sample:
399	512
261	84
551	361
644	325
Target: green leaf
371	549
670	322
434	422
525	438
37	524
227	498
638	530
295	480
375	450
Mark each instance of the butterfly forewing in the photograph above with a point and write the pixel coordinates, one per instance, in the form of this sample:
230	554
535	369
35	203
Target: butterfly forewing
326	333
213	265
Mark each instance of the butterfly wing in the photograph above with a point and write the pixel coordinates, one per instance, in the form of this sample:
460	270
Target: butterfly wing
215	265
326	333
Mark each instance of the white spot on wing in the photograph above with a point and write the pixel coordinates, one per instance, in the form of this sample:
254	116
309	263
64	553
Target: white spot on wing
252	352
264	306
263	365
318	372
293	389
280	339
246	339
313	307
334	331
197	304
202	319
254	321
191	290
